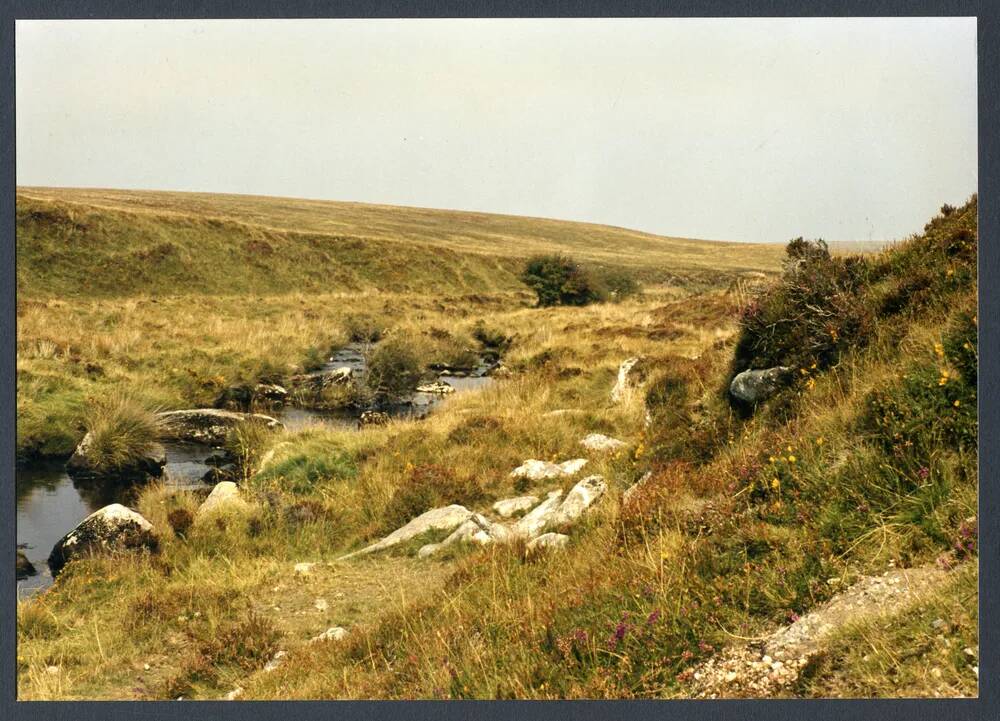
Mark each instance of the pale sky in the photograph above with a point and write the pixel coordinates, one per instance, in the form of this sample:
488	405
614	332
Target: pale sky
753	129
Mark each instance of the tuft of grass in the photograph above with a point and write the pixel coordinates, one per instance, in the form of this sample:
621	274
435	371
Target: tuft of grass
122	431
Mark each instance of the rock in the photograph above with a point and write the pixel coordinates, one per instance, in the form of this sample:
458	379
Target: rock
535	470
754	386
442	519
501	371
270	391
532	524
53	670
225	497
321	605
303	569
108	529
219	474
477	529
602	443
631	491
210	425
234	694
244	395
373	418
437	387
82	464
275	661
509	506
325	378
630	374
25	568
580	497
334	633
547	541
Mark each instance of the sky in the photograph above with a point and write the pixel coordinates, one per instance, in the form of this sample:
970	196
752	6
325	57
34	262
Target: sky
751	129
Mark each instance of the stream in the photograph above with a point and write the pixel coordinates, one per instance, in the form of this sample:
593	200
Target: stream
50	502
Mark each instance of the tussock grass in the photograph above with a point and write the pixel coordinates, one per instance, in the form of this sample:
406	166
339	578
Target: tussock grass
122	430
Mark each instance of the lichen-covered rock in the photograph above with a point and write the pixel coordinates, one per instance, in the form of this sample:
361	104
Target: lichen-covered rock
437	387
224	498
210	425
108	529
25	568
83	464
324	378
547	541
601	443
334	633
509	506
754	386
438	519
373	418
535	470
580	497
532	524
630	375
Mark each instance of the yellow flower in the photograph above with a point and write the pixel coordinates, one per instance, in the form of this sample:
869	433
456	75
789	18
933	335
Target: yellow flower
803	371
789	449
951	272
772	459
775	483
939	350
811	383
791	459
819	441
957	403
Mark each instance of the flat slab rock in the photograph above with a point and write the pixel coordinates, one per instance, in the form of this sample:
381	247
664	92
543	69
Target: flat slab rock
509	506
111	528
556	510
209	425
225	497
478	529
438	519
548	541
535	470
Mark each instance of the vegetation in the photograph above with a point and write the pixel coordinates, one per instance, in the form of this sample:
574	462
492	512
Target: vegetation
122	432
558	280
867	461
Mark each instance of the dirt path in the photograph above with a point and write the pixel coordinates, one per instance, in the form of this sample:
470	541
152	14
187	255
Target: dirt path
766	667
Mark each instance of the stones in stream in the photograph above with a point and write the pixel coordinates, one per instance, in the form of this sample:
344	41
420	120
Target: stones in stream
24	567
209	425
109	529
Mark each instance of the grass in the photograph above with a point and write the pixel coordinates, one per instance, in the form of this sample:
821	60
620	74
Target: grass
742	524
122	431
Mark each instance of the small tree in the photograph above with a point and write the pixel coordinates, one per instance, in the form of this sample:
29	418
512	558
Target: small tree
559	280
393	371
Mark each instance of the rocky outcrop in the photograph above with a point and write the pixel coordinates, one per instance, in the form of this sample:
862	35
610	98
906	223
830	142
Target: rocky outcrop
25	568
532	524
108	529
224	498
477	529
245	395
754	386
509	506
630	374
601	443
84	464
437	519
535	470
210	425
324	378
580	497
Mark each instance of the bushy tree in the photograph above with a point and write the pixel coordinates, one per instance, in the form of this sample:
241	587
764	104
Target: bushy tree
560	280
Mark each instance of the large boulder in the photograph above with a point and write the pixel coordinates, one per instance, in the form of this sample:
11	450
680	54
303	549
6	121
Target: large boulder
24	567
437	519
630	374
84	464
754	386
109	529
535	470
209	425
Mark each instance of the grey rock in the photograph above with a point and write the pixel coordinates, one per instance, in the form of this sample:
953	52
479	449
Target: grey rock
754	386
210	425
441	519
25	568
111	528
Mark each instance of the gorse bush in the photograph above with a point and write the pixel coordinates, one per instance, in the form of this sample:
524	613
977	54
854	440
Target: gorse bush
560	280
122	431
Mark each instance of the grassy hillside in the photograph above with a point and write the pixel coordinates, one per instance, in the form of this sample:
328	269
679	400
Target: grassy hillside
865	461
174	296
107	242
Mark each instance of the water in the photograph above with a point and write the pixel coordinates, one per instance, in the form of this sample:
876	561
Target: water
50	503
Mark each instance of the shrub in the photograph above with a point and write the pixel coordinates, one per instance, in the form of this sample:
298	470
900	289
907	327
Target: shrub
961	346
122	431
559	280
810	316
426	487
616	284
393	371
364	328
180	520
491	338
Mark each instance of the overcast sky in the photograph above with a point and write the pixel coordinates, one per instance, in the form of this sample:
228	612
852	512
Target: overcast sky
754	129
